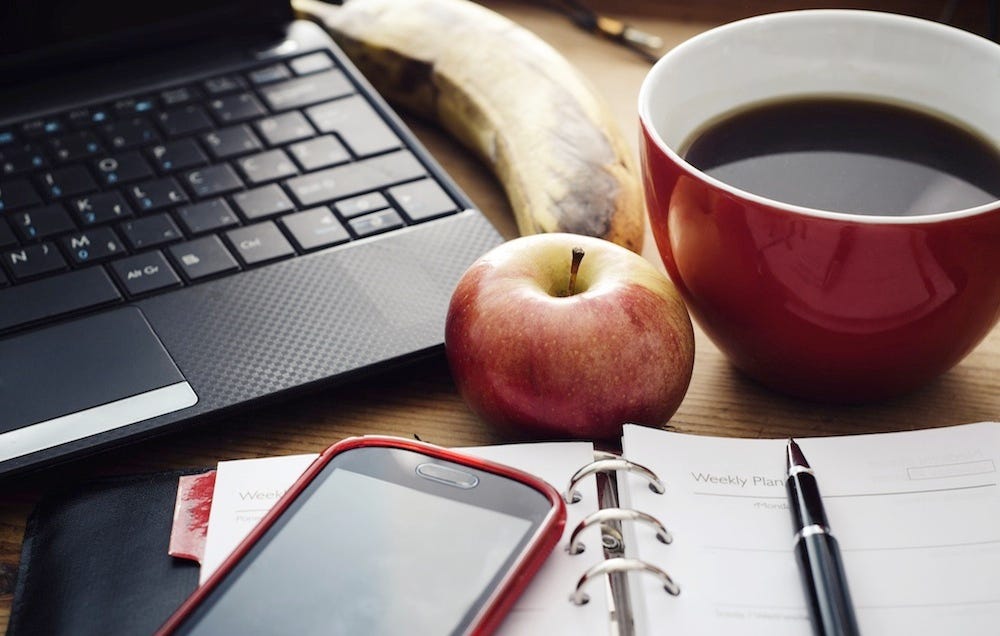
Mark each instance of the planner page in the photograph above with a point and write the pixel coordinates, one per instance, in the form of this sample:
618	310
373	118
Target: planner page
544	607
917	516
245	491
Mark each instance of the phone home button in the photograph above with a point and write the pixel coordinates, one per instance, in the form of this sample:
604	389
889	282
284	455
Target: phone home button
447	475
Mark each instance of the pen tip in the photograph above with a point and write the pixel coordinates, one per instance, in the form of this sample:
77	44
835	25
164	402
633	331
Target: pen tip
795	456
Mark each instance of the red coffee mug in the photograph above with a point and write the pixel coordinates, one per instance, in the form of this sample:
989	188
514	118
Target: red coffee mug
825	305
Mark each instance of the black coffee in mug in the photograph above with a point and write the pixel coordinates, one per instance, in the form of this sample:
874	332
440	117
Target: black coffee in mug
849	155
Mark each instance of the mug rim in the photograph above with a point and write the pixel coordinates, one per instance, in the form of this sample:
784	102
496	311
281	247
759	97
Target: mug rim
653	134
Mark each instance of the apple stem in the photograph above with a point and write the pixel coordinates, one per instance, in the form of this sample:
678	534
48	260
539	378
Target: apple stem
574	268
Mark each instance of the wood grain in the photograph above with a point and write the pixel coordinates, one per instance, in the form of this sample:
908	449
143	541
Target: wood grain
421	400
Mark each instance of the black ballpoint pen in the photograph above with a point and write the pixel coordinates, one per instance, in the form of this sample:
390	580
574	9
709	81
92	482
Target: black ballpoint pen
817	552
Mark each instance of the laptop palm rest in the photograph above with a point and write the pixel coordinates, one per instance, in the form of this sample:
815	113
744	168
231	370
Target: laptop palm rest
84	377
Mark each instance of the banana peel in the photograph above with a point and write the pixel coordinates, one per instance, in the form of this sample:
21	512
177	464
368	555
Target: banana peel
504	93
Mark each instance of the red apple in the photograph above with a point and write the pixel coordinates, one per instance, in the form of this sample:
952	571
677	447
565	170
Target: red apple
543	343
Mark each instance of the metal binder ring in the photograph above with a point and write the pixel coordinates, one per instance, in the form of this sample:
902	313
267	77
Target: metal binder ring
616	514
579	597
609	466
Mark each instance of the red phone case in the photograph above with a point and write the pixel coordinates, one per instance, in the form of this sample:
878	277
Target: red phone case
500	600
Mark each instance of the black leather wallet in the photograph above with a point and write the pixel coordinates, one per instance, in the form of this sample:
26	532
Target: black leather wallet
94	560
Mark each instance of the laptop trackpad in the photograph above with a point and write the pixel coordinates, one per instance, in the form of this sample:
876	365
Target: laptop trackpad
84	377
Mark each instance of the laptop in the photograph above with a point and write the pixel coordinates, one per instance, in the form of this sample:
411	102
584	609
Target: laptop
203	207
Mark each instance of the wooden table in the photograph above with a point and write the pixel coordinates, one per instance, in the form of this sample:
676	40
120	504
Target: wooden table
422	400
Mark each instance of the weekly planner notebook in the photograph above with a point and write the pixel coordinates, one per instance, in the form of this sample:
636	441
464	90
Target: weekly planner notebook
917	515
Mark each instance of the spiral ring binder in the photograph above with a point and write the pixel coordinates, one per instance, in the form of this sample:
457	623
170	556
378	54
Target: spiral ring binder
605	515
615	566
607	466
621	564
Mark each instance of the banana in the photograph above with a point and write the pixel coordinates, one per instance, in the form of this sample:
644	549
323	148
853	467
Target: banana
508	96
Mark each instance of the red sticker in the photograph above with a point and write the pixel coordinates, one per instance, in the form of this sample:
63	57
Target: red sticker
194	502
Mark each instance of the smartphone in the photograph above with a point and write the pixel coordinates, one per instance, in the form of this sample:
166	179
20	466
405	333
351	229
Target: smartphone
384	535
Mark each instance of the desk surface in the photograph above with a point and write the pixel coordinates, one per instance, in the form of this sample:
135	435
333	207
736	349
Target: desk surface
422	400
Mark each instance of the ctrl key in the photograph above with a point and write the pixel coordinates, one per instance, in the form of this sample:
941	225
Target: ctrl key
144	273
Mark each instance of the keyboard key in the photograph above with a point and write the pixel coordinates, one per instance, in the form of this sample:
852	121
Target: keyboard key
184	121
18	159
92	246
269	74
267	166
422	200
213	180
144	273
223	84
98	208
358	124
133	106
55	296
206	216
281	129
122	168
262	202
231	142
259	243
376	222
17	193
177	155
78	145
66	182
33	260
7	136
36	224
80	118
145	104
157	194
355	178
33	129
100	116
42	127
321	152
362	205
175	96
7	237
203	257
232	109
303	91
123	107
54	126
311	63
130	133
315	228
150	231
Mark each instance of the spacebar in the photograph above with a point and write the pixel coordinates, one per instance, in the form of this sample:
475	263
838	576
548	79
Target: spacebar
51	297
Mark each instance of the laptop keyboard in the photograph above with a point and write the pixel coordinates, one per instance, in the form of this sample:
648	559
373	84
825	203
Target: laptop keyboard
155	192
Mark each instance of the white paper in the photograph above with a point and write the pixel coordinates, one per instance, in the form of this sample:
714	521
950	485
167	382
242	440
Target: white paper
545	608
245	490
917	515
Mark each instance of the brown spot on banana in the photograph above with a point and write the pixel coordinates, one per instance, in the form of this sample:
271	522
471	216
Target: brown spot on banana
509	97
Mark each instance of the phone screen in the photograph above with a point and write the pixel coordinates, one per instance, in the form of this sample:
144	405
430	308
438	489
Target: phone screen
371	547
